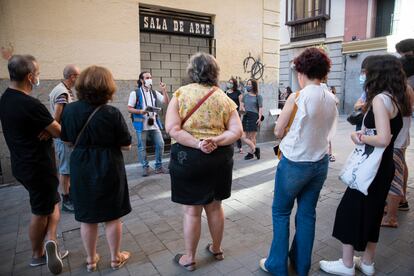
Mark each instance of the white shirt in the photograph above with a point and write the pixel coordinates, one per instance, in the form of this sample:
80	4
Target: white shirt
150	101
313	126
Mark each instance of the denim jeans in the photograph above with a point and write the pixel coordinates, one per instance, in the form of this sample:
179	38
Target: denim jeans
302	181
156	137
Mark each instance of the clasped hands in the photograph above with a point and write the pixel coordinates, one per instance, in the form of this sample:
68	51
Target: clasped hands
207	145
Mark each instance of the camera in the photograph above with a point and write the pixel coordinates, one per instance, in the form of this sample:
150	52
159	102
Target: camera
150	121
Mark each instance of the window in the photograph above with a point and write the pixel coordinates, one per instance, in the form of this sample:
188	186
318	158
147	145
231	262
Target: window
306	18
384	17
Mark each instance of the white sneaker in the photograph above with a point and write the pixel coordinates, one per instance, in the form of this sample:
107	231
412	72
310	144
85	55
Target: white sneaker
262	264
337	267
364	268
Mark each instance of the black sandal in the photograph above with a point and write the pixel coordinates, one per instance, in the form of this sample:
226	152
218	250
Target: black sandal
189	266
219	256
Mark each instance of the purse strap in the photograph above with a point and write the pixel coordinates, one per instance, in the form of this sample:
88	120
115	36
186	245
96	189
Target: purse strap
85	125
197	106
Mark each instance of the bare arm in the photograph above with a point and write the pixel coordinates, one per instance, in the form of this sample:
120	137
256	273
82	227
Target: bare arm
359	104
136	111
284	116
173	126
164	93
59	111
233	131
382	123
54	129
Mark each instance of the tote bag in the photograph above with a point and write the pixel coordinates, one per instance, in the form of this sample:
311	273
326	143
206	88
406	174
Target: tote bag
362	165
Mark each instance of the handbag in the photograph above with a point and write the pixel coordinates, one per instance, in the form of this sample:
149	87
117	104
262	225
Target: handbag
355	118
200	102
362	165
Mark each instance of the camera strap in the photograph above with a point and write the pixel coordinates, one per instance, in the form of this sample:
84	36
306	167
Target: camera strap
145	98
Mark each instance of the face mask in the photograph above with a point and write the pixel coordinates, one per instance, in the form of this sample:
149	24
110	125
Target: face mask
148	82
37	83
249	88
362	79
229	85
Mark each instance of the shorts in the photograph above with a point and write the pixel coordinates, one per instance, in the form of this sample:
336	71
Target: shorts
63	152
43	193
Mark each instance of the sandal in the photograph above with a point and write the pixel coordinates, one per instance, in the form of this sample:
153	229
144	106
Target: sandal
389	223
332	158
123	258
91	267
219	256
189	266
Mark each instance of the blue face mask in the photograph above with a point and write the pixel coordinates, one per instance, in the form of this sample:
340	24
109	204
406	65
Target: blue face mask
249	88
362	79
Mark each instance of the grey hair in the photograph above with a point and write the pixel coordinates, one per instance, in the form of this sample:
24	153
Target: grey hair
203	69
19	66
68	71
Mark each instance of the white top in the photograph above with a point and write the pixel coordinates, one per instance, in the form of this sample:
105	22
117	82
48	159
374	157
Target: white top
403	139
150	101
313	126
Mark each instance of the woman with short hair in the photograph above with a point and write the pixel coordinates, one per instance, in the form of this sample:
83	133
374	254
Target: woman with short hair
201	161
99	186
303	167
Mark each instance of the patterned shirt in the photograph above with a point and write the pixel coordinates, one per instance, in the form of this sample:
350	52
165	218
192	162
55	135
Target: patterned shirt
211	118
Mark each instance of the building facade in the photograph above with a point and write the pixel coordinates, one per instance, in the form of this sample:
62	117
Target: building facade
349	30
129	36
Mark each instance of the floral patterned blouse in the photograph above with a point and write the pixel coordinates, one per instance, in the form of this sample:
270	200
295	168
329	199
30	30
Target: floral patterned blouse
211	118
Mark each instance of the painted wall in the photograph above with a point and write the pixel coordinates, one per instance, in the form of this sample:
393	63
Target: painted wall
106	33
356	19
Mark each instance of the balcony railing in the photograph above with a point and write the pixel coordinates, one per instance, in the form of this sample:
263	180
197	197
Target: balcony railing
307	28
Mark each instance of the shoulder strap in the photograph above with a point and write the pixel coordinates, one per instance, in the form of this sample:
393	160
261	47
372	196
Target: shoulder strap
292	116
85	125
200	102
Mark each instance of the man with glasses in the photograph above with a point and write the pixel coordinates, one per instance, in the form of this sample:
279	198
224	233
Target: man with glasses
60	96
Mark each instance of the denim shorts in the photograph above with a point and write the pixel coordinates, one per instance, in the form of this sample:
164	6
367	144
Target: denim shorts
63	152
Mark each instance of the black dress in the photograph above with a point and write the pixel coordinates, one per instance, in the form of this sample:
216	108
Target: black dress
358	217
99	188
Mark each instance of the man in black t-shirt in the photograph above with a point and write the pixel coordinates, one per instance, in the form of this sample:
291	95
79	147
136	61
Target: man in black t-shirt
28	128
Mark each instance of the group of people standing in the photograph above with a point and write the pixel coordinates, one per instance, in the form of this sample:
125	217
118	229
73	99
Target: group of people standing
203	122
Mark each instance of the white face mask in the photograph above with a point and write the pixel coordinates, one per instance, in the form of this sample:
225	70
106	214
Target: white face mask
37	82
148	82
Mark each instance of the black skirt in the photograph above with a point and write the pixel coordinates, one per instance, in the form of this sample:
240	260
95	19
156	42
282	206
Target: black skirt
198	178
249	121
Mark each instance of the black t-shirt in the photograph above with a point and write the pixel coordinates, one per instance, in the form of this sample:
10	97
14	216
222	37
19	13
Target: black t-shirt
23	118
234	95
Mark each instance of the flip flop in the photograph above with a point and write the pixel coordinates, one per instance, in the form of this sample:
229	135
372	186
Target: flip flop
189	266
124	256
91	267
218	255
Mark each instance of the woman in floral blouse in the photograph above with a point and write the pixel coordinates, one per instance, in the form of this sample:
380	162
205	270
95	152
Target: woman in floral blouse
202	154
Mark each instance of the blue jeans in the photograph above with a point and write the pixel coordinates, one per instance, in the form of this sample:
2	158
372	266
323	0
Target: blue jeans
156	137
302	181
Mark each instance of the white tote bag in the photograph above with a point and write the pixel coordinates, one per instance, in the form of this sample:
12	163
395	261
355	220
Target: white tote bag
362	165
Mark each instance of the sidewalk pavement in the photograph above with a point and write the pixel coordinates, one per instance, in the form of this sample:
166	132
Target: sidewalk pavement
153	233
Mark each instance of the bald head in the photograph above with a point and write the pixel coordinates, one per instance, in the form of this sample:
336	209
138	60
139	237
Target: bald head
70	74
70	70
